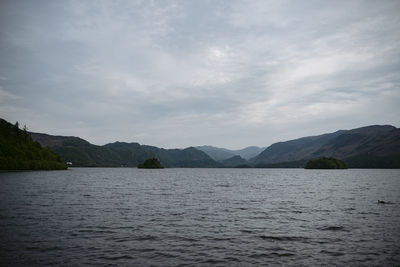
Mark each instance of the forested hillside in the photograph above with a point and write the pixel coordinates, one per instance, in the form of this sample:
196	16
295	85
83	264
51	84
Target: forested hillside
120	154
19	152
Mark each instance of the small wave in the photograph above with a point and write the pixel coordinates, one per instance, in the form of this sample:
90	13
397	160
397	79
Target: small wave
146	237
187	239
368	213
328	240
284	238
384	202
349	209
332	253
285	254
297	211
146	249
126	227
119	257
259	255
177	213
96	231
213	261
221	238
43	249
232	259
121	240
333	228
166	254
222	185
273	254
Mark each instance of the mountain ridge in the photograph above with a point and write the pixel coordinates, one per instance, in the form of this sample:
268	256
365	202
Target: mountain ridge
120	154
219	154
375	146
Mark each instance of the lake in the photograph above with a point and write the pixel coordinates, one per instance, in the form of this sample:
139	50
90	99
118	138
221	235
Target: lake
200	217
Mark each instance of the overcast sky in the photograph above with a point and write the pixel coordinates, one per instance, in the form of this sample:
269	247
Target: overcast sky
188	73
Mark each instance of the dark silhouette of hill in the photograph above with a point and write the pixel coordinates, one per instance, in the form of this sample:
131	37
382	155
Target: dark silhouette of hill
220	154
84	154
376	146
217	153
235	161
19	152
293	150
373	146
377	140
326	163
152	163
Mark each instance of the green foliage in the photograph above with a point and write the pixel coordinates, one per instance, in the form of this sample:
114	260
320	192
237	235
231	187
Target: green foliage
152	163
119	154
19	152
374	162
326	163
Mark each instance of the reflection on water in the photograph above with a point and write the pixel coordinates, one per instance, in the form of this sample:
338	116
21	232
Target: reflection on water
200	217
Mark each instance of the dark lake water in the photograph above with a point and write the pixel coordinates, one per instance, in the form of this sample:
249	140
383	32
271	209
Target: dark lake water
200	217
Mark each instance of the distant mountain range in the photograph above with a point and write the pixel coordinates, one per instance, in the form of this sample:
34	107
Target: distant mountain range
220	154
119	154
373	146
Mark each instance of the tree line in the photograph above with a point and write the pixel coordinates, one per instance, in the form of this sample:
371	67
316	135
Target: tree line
19	152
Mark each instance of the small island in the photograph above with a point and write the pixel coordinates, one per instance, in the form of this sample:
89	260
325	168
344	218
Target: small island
326	163
152	163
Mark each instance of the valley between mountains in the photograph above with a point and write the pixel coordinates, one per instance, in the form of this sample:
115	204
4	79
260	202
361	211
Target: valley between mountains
376	146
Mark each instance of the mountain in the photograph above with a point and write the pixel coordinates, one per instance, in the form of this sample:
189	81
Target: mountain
293	150
373	139
367	147
188	157
84	154
376	146
19	152
249	152
220	154
216	153
235	161
78	151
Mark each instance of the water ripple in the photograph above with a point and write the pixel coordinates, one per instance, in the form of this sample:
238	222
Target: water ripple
199	217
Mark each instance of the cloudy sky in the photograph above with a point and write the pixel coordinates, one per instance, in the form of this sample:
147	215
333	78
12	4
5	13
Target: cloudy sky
182	73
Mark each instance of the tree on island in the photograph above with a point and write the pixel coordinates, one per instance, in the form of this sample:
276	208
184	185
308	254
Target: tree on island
326	163
152	163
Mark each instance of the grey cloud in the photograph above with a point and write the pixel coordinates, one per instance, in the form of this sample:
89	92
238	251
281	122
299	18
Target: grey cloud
180	73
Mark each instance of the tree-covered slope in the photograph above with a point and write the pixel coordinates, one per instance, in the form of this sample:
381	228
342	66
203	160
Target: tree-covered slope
19	152
235	161
80	152
152	163
217	153
375	146
371	139
120	154
293	150
326	163
188	157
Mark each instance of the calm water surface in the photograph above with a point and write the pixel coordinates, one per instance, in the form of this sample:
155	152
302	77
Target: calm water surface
200	217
